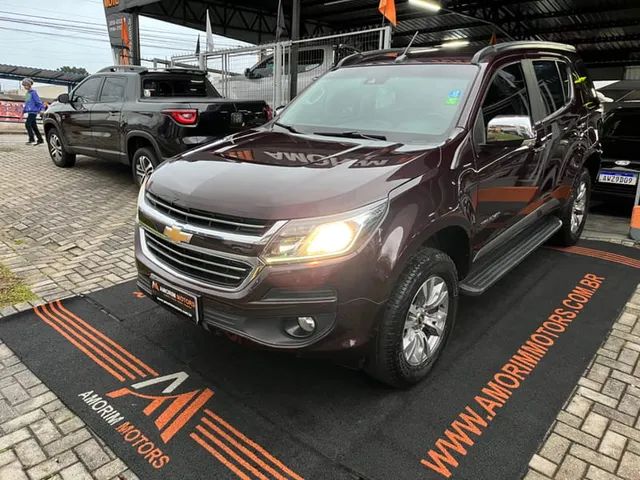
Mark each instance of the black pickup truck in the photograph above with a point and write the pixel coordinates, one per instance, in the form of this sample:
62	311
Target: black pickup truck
141	117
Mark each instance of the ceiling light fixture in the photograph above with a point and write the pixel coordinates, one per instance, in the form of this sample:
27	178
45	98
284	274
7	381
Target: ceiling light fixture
455	43
427	4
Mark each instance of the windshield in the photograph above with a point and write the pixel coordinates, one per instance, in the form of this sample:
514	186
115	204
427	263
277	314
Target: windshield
622	124
403	103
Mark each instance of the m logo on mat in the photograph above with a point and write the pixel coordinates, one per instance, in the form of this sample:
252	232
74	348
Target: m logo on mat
172	411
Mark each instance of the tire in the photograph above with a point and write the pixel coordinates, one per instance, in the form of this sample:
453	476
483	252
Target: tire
571	229
389	360
57	151
143	163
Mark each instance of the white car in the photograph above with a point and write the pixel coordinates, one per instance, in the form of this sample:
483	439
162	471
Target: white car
257	81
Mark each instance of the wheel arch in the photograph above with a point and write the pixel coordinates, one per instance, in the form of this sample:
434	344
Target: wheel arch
451	235
140	139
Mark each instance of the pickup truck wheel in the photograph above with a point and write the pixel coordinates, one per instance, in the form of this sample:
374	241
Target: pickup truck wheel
60	157
417	321
143	164
574	213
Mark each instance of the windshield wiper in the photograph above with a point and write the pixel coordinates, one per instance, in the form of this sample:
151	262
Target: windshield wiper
286	127
352	134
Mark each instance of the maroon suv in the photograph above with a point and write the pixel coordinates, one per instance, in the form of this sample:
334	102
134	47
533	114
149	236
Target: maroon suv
392	184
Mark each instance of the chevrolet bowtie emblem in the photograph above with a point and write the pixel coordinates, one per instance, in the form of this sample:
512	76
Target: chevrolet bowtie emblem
176	235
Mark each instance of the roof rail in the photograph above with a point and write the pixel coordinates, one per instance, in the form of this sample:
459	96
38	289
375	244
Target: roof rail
492	50
185	70
123	68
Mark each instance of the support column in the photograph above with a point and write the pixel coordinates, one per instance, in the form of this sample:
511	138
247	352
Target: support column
135	39
293	52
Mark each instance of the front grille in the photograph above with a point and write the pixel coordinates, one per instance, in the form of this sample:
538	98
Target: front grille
206	219
207	267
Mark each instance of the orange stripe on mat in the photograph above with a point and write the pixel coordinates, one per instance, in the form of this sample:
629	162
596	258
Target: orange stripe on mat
602	255
231	453
254	445
60	321
44	316
244	450
220	457
186	415
109	340
96	340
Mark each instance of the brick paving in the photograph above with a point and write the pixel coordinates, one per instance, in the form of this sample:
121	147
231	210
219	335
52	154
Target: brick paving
68	231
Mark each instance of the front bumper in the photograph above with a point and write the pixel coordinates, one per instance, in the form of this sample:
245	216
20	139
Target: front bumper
334	293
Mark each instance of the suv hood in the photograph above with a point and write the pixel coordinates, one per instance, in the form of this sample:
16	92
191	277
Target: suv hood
273	176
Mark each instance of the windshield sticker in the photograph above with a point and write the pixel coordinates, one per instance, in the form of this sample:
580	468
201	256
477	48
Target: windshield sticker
454	97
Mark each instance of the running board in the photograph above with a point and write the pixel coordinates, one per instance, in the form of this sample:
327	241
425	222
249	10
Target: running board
499	262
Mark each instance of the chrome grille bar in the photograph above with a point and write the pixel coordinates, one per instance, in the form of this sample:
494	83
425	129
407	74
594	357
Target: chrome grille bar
211	220
214	269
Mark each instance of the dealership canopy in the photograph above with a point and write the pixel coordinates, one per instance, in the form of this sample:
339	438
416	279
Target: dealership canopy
606	32
55	77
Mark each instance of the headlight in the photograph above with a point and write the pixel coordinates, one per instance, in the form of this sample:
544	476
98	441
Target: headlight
315	238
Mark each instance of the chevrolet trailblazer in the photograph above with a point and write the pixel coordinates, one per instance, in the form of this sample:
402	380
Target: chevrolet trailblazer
394	183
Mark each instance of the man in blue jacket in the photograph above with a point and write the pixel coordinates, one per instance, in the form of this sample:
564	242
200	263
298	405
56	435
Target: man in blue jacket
32	107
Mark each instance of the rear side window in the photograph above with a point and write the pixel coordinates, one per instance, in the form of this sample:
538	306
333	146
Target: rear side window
113	90
624	124
507	94
87	92
170	85
552	87
565	77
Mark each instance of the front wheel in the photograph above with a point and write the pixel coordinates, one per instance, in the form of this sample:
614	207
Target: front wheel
59	155
574	213
417	321
143	163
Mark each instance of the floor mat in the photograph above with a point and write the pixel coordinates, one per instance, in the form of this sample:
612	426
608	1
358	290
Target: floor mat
216	409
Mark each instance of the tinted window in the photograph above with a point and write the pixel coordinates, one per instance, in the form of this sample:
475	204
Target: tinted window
507	94
87	92
551	85
565	77
264	68
177	85
622	125
405	103
113	90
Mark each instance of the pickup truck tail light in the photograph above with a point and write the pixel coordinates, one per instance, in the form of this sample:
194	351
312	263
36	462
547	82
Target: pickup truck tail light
183	116
268	112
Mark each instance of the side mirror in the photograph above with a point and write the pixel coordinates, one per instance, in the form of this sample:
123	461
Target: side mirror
510	131
278	110
63	98
247	72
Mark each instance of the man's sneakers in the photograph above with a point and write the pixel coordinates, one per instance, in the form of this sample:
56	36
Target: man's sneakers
39	142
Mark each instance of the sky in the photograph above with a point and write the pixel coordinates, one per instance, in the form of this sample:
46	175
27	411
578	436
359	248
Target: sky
22	43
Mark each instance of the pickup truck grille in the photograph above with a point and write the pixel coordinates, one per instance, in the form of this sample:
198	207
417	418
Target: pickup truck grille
206	267
211	220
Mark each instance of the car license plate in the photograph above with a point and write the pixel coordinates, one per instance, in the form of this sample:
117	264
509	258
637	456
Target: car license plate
618	176
237	118
176	299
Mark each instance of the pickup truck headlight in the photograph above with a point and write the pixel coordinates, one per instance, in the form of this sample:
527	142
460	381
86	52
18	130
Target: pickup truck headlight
312	239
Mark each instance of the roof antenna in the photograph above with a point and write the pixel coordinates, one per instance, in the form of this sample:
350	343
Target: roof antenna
403	57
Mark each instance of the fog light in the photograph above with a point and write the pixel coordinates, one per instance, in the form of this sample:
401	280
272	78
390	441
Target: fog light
308	324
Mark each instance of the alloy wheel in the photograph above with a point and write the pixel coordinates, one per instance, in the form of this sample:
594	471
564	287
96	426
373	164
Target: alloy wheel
424	326
144	168
579	207
55	147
